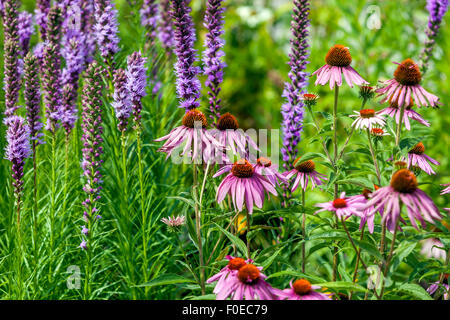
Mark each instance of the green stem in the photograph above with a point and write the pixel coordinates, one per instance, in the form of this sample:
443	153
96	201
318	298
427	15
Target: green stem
198	230
355	272
389	258
399	126
247	237
303	232
336	188
316	125
374	157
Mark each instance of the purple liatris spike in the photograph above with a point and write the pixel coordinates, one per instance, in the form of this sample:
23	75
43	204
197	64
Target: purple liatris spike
212	56
165	27
17	149
87	27
437	10
188	85
149	18
32	96
11	79
292	110
136	83
92	138
26	28
122	99
41	12
106	28
11	19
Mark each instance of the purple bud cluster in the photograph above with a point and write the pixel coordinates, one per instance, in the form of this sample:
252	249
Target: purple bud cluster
41	12
293	109
106	28
188	85
122	101
212	56
165	27
92	139
136	83
25	30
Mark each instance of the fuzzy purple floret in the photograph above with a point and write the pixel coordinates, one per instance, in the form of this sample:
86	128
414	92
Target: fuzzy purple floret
11	80
17	148
136	82
92	138
293	109
106	28
41	12
32	96
188	85
26	29
213	54
122	101
165	27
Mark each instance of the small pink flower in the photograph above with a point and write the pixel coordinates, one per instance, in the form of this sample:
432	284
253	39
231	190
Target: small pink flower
366	119
344	207
302	290
405	88
266	168
305	171
433	248
338	61
229	271
394	112
174	221
417	157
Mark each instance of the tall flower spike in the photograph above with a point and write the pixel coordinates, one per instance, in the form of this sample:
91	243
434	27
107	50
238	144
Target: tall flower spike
41	12
92	139
51	70
12	76
32	97
292	110
11	19
165	27
26	28
106	29
17	150
122	101
149	13
437	10
136	83
188	85
213	54
87	27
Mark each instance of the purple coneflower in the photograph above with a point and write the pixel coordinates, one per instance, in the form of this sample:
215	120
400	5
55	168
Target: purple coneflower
433	248
435	286
338	61
403	190
11	79
122	100
213	54
227	272
243	183
136	84
266	168
305	171
249	283
394	112
417	157
174	221
366	118
106	28
41	12
165	27
199	143
302	289
25	30
405	87
343	207
292	110
188	85
367	214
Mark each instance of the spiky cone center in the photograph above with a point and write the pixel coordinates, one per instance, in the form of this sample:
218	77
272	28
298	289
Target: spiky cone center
310	99
302	287
404	181
249	274
418	149
408	73
227	121
242	169
339	203
366	92
264	162
193	116
305	166
377	131
367	113
236	263
338	56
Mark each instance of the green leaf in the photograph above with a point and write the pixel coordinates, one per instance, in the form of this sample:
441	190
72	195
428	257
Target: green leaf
415	290
361	182
165	279
311	155
297	274
185	200
238	242
211	296
402	251
268	261
369	248
331	235
343	285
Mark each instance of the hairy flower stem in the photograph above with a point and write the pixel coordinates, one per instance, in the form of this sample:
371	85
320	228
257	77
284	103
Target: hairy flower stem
389	258
374	157
35	210
198	229
320	137
336	188
303	232
399	126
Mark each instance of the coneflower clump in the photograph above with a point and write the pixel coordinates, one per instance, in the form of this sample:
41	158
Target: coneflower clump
122	101
136	83
11	79
188	85
213	54
17	150
32	96
292	109
106	28
92	139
